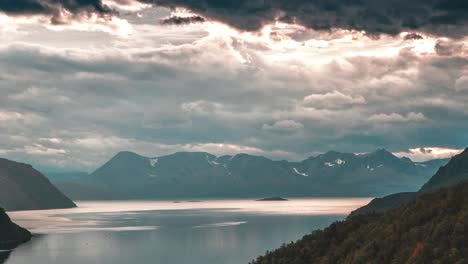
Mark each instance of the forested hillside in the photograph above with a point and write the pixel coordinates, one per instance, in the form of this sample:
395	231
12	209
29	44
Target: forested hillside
431	229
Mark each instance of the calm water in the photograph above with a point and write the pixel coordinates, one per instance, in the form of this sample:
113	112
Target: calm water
167	232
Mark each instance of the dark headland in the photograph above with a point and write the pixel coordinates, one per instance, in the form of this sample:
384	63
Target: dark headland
11	235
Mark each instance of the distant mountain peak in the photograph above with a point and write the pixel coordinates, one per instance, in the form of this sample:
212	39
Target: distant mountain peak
382	151
127	154
193	153
382	154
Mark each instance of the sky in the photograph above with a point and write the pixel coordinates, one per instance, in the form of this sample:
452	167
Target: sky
82	80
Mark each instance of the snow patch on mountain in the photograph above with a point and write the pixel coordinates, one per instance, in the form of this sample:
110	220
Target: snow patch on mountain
212	161
300	173
340	161
153	161
335	163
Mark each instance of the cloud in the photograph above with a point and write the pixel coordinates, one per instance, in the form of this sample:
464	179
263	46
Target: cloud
178	20
125	5
332	100
201	107
282	126
166	89
38	149
52	6
450	48
428	153
397	118
56	9
461	84
413	36
7	116
67	154
446	17
443	18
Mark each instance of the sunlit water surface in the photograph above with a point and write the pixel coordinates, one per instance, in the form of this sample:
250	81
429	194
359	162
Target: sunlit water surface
168	232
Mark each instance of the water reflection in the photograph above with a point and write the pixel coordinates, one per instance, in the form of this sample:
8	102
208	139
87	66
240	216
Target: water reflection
225	232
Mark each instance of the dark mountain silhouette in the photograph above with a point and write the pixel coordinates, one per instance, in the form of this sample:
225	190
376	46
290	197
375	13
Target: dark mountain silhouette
24	188
11	235
198	174
454	172
430	229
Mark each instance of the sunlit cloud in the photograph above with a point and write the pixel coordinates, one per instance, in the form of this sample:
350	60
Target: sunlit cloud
397	118
126	5
69	22
110	25
428	153
7	116
332	100
284	126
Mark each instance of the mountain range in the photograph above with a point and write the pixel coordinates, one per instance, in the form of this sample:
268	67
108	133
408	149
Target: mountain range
455	171
430	226
199	174
24	188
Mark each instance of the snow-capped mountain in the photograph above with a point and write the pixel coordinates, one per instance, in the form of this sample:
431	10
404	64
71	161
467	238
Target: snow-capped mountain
198	174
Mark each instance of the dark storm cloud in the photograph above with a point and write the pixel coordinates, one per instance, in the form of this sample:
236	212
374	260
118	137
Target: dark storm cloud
53	8
177	20
413	36
441	17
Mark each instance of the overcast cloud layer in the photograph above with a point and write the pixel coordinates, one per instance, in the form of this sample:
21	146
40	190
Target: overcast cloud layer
155	80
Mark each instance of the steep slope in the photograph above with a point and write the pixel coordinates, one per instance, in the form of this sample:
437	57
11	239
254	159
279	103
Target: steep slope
386	203
11	234
455	171
24	188
431	229
198	174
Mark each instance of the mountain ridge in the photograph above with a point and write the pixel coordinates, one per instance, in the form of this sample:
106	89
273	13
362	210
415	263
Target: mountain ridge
201	174
455	171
